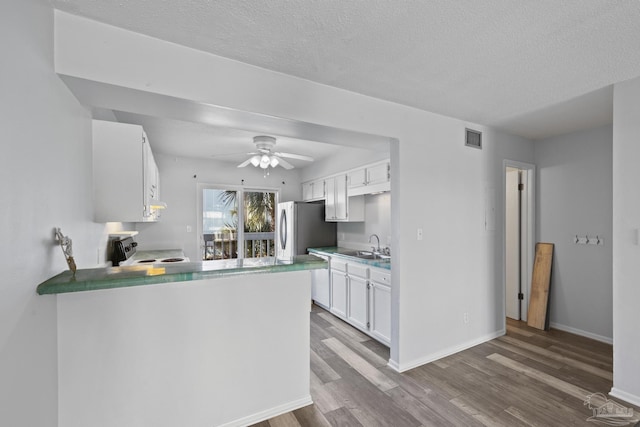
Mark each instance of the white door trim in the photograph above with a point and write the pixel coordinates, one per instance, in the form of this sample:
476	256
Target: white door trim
530	195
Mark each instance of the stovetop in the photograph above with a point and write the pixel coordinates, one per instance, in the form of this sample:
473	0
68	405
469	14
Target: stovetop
160	256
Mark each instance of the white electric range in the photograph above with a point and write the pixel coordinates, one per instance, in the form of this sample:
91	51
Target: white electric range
124	253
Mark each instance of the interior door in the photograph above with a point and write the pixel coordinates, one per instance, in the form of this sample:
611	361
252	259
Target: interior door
512	238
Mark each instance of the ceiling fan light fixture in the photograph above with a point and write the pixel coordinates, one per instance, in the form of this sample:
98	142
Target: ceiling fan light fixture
264	161
265	156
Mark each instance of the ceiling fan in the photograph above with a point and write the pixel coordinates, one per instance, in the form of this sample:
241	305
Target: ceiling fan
264	156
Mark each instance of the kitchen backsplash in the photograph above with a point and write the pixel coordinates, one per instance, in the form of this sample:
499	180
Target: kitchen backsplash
377	221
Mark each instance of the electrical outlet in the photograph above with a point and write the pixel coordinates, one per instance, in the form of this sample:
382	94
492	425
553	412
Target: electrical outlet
188	229
465	318
419	234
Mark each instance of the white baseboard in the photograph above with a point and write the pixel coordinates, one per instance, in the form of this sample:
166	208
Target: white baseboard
270	413
580	332
623	395
445	352
394	365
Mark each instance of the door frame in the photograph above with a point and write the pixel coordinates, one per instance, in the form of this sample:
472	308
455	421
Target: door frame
530	190
241	189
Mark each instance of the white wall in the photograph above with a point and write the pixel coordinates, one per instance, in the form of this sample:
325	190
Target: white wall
626	247
45	182
193	354
574	198
438	184
179	179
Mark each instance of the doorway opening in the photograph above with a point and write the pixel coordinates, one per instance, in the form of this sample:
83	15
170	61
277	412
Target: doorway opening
519	240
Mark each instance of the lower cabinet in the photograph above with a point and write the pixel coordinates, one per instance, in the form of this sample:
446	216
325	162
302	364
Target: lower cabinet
361	296
339	285
380	309
357	296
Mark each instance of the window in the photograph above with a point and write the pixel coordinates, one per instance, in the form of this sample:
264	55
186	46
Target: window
221	236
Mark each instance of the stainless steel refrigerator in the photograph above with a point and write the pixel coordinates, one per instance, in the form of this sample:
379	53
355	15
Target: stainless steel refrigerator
302	226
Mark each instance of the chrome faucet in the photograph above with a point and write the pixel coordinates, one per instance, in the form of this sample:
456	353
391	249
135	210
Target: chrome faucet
375	249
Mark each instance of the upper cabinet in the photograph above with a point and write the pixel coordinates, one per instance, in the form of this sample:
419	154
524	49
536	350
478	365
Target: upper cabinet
344	193
338	206
125	175
313	190
369	179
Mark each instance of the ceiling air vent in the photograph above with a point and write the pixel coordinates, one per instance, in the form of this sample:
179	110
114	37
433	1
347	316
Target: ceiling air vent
473	138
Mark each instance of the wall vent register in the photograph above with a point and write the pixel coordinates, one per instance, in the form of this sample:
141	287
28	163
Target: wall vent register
473	138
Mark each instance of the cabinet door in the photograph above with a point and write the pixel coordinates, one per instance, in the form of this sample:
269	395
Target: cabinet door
339	293
380	309
357	301
357	178
307	191
330	202
378	174
150	180
340	197
317	190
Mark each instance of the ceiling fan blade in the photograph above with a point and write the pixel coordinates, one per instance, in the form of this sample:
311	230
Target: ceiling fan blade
295	156
244	153
284	163
245	163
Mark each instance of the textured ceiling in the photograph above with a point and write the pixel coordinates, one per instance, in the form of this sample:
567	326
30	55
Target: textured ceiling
486	61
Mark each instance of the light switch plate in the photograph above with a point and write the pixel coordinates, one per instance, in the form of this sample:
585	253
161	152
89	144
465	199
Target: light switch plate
419	234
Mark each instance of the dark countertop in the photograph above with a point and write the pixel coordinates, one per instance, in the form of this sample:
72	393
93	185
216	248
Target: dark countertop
136	275
339	251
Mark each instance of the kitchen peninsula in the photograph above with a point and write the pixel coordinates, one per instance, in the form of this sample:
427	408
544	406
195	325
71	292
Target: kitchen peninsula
224	343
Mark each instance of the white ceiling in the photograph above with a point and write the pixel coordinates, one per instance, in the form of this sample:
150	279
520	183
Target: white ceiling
198	140
515	64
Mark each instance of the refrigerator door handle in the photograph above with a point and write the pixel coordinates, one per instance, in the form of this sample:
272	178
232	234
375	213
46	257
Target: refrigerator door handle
283	229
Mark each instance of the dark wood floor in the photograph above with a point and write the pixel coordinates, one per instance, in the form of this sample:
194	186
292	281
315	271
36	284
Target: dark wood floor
526	378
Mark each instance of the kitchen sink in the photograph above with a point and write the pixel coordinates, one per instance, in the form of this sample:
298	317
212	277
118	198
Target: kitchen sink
367	255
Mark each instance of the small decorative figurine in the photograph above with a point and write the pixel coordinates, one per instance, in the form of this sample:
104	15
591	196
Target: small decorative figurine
67	249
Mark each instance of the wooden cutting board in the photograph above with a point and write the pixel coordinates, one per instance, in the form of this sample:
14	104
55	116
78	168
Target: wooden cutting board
537	316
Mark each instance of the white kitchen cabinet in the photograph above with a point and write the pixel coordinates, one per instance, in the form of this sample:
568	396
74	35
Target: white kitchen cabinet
373	178
339	286
378	173
380	305
357	298
125	175
357	178
338	206
151	175
313	190
361	295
